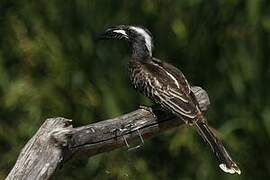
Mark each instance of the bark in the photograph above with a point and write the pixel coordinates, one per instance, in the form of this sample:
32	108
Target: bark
56	141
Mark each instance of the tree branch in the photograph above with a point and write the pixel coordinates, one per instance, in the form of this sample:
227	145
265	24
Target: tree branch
57	141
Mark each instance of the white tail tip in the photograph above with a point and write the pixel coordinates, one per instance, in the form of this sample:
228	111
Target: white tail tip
231	170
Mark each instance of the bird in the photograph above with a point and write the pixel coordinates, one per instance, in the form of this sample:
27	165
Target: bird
167	86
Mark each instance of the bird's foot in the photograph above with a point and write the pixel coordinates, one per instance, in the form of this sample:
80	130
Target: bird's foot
149	109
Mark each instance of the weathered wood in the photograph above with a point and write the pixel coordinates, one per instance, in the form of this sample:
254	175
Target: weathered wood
42	154
108	135
57	140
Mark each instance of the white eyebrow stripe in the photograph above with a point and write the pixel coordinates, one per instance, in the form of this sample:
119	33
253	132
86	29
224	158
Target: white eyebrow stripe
147	37
120	31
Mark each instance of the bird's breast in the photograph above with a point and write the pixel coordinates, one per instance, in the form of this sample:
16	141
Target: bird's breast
141	79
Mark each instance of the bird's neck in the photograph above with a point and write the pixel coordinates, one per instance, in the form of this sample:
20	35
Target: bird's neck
140	51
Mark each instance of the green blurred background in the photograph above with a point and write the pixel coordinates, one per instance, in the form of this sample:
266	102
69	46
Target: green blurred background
50	65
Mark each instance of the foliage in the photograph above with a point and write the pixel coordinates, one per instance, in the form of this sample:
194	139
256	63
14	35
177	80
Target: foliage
51	65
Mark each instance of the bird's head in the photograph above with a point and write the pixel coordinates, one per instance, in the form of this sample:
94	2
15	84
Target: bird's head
139	37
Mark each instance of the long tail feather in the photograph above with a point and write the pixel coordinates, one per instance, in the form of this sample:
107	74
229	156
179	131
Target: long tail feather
225	160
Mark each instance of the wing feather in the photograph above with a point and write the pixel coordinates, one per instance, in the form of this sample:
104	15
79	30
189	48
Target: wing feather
177	104
167	87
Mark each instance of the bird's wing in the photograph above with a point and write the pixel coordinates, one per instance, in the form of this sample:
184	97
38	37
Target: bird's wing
175	94
176	73
172	91
199	96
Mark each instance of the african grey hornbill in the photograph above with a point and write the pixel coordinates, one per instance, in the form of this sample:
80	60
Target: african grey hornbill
166	85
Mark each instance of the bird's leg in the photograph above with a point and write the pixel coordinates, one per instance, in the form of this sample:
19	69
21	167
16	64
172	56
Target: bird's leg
153	109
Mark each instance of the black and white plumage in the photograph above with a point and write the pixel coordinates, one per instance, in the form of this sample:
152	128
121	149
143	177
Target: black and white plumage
166	85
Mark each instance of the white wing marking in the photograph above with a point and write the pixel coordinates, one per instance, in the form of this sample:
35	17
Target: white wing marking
177	95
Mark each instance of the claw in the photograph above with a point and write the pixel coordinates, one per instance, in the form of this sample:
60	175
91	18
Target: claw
149	109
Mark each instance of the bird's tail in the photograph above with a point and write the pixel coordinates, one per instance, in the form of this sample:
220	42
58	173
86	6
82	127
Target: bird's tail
226	162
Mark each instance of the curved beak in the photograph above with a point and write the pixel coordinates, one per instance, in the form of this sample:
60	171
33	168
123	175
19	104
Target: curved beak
114	33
